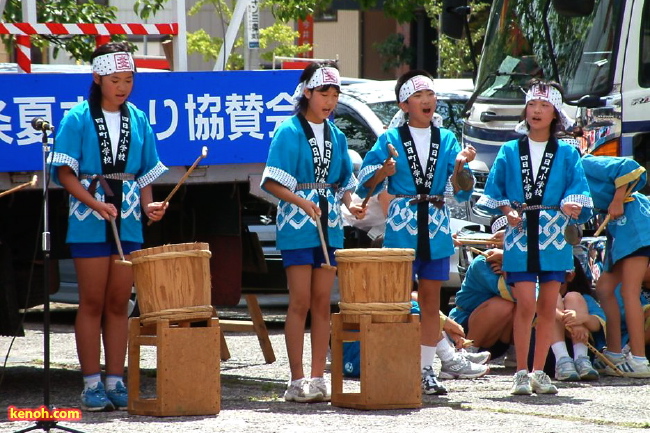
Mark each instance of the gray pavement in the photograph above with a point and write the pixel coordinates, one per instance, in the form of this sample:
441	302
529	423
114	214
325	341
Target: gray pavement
251	395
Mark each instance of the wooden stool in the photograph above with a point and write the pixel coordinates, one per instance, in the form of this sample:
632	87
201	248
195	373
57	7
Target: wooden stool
188	379
390	362
256	325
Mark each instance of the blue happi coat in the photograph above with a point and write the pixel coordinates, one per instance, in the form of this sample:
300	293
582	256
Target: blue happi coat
290	163
479	285
565	182
77	146
631	231
401	224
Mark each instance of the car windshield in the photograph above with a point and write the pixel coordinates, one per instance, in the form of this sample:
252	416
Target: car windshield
384	110
515	49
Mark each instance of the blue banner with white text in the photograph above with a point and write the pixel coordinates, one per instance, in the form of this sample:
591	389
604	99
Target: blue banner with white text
233	113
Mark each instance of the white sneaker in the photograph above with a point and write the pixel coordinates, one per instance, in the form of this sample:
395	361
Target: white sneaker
633	368
565	369
585	369
541	383
320	385
473	355
521	384
460	368
299	391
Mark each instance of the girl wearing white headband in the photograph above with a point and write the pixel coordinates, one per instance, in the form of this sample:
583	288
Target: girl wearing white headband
419	178
106	158
539	183
309	170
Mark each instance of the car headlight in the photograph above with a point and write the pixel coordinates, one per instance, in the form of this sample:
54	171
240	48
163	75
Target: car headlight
456	209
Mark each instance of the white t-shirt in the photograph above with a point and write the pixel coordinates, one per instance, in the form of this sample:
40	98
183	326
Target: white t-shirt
536	155
422	142
319	133
113	126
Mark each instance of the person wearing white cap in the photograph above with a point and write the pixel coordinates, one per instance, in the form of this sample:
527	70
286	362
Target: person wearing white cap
309	170
105	156
539	184
419	178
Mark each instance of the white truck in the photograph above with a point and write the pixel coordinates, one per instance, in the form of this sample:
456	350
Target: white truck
598	50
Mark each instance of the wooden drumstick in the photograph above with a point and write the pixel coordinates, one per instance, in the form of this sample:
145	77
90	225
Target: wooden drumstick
204	153
469	241
393	154
628	193
327	264
19	187
477	251
116	235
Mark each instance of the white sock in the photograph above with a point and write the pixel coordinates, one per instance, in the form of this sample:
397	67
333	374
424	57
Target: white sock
444	350
559	350
579	349
427	353
614	355
92	380
111	381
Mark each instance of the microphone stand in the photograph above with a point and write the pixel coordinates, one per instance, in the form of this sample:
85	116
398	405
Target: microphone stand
46	424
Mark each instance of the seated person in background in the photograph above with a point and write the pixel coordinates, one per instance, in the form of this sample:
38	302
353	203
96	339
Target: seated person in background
455	363
625	336
578	317
484	304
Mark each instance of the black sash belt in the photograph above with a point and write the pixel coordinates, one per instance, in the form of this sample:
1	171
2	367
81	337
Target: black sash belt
436	200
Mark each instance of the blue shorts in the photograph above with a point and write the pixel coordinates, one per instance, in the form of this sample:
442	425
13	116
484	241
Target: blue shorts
544	277
307	256
641	252
86	250
437	269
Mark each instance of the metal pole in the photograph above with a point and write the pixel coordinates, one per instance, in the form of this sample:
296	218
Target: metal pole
2	6
180	40
29	11
231	35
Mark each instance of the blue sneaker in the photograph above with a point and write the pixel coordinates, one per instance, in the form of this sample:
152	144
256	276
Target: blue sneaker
95	399
118	396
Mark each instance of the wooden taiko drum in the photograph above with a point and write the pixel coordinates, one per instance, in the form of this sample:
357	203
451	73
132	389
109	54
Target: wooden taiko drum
375	281
172	276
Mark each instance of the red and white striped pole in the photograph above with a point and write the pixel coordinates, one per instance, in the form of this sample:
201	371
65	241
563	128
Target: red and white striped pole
102	33
24	54
101	40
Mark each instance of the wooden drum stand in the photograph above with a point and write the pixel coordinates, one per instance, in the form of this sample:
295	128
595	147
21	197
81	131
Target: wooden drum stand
375	310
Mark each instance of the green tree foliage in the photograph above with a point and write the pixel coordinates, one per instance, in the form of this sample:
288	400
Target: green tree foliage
278	39
287	10
394	52
454	54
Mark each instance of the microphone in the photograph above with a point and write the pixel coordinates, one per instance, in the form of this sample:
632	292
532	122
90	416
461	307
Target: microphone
41	124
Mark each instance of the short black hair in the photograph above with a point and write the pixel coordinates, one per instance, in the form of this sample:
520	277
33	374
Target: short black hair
580	282
407	76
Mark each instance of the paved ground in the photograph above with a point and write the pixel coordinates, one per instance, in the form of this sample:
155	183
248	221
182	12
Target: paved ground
251	396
